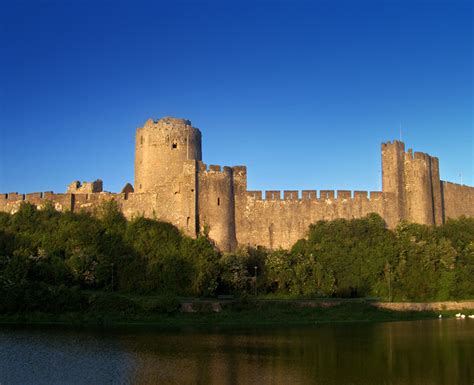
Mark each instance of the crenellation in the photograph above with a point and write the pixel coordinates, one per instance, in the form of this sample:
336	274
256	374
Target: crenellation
361	195
239	170
14	196
344	194
396	143
273	195
202	167
62	202
255	195
290	195
35	198
34	195
326	194
376	195
240	182
214	169
172	184
309	195
421	156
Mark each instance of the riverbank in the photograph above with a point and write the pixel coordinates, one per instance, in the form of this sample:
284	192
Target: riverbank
115	310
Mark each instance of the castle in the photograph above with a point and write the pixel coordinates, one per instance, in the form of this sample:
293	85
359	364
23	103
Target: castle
172	184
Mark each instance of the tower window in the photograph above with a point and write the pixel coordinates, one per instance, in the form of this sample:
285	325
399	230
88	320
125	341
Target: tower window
141	139
174	145
218	201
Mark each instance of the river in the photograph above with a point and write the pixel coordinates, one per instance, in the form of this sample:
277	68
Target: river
393	353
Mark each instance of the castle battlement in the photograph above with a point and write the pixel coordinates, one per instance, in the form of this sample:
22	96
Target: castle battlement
172	184
214	168
168	123
239	170
397	143
314	195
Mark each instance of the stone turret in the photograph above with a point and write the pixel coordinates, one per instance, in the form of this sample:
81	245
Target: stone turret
216	202
423	189
393	179
161	149
412	183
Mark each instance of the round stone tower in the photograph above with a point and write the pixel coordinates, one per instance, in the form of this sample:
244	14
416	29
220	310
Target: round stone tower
161	148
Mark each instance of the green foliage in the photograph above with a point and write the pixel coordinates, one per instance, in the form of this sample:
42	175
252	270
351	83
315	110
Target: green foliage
203	259
233	274
100	251
343	258
360	257
243	272
426	264
166	304
112	303
48	259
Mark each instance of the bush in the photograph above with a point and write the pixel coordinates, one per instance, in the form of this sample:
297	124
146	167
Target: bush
112	303
163	305
202	307
47	257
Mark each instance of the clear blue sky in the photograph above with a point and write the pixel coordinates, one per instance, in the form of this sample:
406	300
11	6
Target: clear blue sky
303	93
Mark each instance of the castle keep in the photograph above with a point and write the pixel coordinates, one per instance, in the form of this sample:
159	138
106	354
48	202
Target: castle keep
172	184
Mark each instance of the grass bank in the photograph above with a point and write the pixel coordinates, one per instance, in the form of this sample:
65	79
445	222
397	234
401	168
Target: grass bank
108	309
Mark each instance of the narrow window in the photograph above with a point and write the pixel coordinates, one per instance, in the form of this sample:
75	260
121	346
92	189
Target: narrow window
218	201
141	139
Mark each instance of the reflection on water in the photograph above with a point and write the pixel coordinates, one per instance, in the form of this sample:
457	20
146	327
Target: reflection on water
401	353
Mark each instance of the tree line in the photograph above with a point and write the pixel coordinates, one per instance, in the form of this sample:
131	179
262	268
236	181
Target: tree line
49	259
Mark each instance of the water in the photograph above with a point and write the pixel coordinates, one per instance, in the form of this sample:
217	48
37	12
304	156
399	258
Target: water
397	353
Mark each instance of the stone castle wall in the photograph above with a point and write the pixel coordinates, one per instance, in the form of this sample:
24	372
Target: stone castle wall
172	184
457	200
276	221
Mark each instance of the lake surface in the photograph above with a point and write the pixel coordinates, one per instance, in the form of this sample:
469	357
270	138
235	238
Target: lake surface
401	353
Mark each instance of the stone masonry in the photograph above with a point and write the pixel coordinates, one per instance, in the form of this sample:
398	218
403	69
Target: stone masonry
172	184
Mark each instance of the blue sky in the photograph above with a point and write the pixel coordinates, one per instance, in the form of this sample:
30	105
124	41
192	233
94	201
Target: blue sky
302	92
